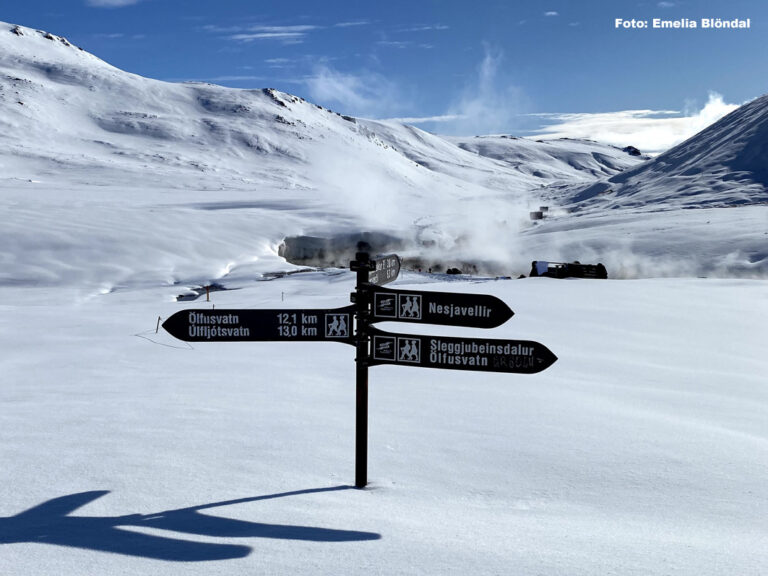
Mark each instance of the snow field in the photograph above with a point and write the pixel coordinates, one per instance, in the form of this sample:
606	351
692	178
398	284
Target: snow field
642	450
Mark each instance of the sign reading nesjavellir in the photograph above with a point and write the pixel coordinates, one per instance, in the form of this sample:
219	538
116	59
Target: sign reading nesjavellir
352	325
448	308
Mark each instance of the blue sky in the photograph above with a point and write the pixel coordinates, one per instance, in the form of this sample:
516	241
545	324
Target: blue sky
474	67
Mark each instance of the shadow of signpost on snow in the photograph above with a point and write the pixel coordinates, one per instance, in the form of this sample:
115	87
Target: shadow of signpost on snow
51	523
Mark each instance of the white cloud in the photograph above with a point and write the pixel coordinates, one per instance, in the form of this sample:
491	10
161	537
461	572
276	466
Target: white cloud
427	119
111	3
285	34
652	131
284	29
280	62
350	24
216	29
426	28
551	13
365	93
394	43
666	4
488	104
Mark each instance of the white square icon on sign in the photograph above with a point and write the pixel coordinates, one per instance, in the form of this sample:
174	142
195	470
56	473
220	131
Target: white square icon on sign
385	305
384	348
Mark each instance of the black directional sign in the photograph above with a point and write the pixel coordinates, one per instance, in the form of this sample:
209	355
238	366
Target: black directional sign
482	354
386	269
476	310
222	325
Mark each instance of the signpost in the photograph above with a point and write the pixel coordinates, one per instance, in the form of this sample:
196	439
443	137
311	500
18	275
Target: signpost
375	347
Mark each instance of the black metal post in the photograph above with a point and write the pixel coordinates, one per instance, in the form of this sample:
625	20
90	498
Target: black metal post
361	298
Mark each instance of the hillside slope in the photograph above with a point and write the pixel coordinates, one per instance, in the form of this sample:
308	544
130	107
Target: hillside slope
258	164
208	182
724	165
63	105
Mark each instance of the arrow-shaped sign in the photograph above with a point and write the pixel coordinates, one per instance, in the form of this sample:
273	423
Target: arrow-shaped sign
221	325
384	269
483	354
475	310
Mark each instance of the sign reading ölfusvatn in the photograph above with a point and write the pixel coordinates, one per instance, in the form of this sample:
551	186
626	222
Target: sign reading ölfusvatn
482	354
248	325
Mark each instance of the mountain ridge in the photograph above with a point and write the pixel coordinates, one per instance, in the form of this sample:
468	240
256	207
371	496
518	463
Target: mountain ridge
208	182
726	164
36	61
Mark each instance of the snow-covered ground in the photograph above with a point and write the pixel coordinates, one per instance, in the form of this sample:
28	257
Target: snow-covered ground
642	450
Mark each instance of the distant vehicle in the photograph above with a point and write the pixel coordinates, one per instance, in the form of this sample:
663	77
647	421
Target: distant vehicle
568	270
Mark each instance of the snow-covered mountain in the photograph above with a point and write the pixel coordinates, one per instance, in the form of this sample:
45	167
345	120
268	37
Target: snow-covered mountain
263	166
70	119
725	165
65	105
565	160
642	450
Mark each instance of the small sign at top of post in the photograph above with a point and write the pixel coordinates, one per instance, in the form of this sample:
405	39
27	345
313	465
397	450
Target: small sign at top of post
384	269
